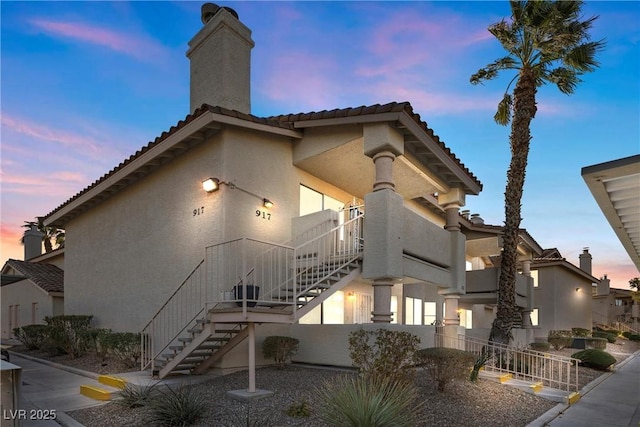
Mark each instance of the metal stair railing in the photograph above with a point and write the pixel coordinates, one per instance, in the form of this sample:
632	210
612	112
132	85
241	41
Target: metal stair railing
551	370
179	312
246	272
320	258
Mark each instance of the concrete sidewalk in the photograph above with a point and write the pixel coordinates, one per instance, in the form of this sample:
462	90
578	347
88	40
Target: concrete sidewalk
612	400
46	387
51	386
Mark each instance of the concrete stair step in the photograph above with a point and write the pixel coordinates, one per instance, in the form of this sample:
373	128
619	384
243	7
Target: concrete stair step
532	387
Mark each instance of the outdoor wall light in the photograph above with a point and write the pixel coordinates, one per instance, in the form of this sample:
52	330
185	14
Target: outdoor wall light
211	184
578	289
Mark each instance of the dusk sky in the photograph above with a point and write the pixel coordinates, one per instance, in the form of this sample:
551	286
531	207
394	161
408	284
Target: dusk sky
86	84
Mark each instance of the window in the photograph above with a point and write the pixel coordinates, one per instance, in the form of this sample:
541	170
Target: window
394	309
618	302
429	313
534	276
466	317
34	313
413	311
534	317
312	201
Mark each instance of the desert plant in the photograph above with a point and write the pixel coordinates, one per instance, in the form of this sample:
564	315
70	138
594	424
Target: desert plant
580	332
560	339
373	401
595	358
69	334
606	335
599	343
445	364
124	346
135	396
246	419
32	336
177	407
299	410
540	346
391	355
279	349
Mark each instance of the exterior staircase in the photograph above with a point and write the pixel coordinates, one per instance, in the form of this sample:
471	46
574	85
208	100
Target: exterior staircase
202	334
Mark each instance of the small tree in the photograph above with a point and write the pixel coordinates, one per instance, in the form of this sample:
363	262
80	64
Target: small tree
635	285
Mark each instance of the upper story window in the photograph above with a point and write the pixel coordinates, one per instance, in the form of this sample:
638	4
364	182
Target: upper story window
312	201
619	302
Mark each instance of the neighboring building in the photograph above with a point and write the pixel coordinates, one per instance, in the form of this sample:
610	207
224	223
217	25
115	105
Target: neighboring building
562	292
33	289
344	216
613	307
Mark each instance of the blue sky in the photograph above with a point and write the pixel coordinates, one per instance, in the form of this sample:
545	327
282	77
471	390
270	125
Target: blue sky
86	84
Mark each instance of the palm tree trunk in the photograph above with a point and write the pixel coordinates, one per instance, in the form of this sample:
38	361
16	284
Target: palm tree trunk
524	109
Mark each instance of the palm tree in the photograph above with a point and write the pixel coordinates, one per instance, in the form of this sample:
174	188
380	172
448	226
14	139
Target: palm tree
546	42
48	233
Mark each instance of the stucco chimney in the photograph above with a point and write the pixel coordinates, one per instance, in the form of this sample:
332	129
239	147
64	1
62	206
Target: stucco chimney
32	241
585	261
220	57
603	286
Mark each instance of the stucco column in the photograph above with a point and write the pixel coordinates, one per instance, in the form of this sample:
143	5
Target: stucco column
383	162
382	301
451	316
526	268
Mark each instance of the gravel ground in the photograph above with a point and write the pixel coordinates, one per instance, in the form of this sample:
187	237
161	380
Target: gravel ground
463	404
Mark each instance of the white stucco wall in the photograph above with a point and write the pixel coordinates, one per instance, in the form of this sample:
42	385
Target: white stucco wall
24	294
560	307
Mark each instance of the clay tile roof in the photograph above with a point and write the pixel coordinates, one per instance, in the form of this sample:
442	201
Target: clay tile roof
47	276
392	107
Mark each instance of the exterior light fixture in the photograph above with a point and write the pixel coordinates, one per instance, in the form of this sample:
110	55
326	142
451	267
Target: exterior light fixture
578	290
267	203
211	184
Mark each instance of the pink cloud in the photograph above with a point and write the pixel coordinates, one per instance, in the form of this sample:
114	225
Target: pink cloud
293	79
44	133
54	185
129	44
10	242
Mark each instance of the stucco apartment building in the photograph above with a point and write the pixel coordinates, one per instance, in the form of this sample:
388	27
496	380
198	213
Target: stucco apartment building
337	216
230	226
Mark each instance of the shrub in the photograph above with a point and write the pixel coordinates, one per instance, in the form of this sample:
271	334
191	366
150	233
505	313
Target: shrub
135	396
598	343
445	364
580	332
540	346
98	340
69	334
124	346
606	335
180	407
32	336
634	337
392	355
299	410
627	334
279	349
595	358
374	401
560	339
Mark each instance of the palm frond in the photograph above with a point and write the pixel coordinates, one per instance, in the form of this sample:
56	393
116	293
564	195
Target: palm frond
567	80
583	57
503	114
491	71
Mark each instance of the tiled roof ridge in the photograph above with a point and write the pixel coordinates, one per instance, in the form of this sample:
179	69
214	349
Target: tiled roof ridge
404	106
165	134
47	276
